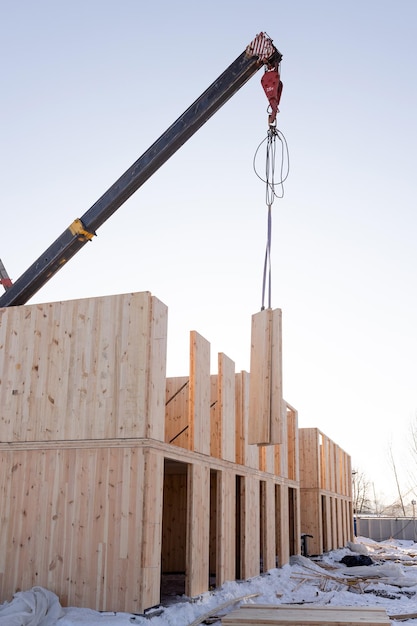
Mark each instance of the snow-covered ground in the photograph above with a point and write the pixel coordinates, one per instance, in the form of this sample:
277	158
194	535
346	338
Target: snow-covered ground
389	582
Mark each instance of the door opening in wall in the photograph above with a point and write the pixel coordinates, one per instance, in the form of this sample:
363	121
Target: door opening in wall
174	530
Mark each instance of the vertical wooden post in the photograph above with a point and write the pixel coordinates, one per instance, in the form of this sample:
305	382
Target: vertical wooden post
250	552
198	530
226	535
284	528
269	546
152	528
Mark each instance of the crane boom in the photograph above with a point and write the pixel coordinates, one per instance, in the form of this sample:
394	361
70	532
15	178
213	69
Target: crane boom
259	52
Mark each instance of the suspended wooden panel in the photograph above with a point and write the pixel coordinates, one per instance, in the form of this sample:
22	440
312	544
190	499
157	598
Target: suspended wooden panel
265	395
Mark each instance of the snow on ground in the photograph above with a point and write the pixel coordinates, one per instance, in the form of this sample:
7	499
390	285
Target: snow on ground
390	582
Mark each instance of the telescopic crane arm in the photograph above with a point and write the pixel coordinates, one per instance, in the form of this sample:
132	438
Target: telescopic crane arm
260	52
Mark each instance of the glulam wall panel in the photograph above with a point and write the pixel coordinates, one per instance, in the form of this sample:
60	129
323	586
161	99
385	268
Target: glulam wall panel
83	369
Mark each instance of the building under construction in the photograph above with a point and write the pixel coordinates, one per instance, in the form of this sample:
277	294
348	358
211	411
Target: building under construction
115	478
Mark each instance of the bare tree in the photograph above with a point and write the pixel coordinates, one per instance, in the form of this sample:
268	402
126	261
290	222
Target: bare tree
360	492
397	482
413	452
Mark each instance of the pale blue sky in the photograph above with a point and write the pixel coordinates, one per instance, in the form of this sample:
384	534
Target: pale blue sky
87	87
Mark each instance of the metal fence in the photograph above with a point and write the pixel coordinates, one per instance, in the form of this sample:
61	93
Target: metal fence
383	528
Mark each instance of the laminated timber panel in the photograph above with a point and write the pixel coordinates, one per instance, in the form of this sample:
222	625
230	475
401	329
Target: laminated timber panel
293	454
310	462
281	450
311	520
324	479
268	525
326	531
267	459
83	369
187	406
177	411
332	466
287	453
324	482
80	522
223	413
151	529
250	527
289	615
245	454
226	527
265	397
199	393
198	530
283	524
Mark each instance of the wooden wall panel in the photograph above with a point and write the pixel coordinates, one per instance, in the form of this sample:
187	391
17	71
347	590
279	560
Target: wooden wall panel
246	454
267	459
310	476
198	529
268	538
325	462
250	551
72	523
324	477
265	399
80	369
226	527
155	375
311	520
293	452
283	529
227	407
199	393
223	412
177	429
326	533
151	529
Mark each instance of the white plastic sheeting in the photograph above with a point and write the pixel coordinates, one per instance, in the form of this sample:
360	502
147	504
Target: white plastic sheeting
36	607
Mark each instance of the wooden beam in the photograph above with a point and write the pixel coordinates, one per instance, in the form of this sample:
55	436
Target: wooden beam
284	615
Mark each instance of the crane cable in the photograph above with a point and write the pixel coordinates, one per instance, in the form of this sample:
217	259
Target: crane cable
273	189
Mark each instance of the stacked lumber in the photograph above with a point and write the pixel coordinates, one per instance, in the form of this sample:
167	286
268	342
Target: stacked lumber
285	615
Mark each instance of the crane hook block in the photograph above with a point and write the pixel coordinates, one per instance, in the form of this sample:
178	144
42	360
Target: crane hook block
272	86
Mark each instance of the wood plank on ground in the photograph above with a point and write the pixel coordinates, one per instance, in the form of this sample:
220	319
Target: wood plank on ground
284	615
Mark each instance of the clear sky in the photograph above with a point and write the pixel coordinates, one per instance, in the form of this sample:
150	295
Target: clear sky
88	86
